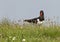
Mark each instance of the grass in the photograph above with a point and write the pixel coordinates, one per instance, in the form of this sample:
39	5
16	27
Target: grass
10	32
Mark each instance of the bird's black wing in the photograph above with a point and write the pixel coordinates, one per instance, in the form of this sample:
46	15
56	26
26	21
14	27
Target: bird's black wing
28	20
34	20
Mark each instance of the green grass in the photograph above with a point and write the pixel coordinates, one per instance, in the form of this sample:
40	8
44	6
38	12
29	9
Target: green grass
16	33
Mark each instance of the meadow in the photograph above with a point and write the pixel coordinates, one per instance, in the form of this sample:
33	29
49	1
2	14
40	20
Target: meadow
10	32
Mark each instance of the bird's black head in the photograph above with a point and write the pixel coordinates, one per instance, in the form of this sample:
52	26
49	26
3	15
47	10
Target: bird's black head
41	15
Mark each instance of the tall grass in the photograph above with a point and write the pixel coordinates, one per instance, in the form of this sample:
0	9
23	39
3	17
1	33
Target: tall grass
10	32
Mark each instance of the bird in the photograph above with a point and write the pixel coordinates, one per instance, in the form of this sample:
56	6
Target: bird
37	20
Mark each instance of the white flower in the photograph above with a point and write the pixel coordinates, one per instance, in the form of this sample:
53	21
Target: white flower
13	38
23	40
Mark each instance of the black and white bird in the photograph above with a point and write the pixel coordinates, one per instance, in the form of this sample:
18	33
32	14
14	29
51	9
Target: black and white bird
37	20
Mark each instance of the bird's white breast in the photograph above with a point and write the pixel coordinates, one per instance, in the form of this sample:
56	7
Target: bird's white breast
39	22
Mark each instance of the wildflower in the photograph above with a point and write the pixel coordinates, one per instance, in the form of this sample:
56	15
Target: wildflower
21	27
6	38
10	36
58	38
23	40
13	38
0	34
